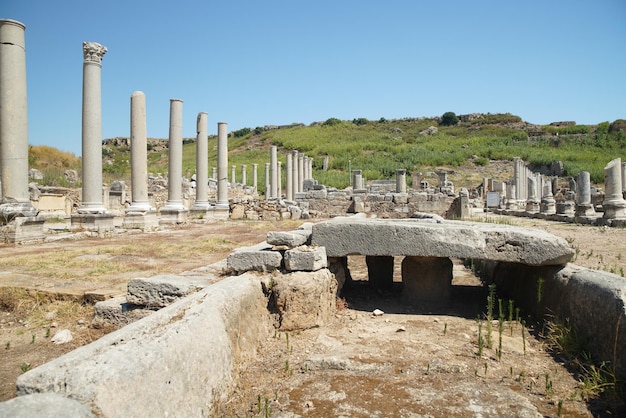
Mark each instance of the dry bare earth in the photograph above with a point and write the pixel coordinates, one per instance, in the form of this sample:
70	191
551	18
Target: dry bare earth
412	361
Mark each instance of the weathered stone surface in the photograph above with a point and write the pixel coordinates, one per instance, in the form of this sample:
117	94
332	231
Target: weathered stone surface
426	278
304	299
43	405
117	312
290	239
162	290
305	258
180	361
258	258
451	239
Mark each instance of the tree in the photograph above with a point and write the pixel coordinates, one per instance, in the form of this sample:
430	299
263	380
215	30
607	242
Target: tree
449	119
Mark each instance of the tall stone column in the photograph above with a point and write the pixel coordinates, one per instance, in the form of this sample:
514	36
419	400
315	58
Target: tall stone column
301	173
294	173
244	175
255	176
273	172
288	178
202	162
92	129
624	179
306	168
214	173
279	179
517	177
175	156
614	204
268	183
233	178
400	181
222	166
310	167
14	122
138	154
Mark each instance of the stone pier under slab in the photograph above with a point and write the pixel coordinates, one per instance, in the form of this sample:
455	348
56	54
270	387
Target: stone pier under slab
426	278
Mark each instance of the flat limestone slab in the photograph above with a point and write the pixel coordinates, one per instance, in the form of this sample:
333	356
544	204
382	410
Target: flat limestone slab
163	289
345	236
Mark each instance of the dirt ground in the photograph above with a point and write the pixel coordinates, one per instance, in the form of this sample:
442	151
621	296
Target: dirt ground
411	361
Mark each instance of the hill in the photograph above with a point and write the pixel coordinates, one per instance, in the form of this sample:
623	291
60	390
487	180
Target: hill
471	146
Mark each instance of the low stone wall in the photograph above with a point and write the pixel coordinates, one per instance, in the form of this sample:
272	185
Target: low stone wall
179	361
592	302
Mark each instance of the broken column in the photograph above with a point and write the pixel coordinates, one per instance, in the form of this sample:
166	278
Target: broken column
221	205
532	203
140	214
357	180
548	204
614	204
201	205
174	210
400	181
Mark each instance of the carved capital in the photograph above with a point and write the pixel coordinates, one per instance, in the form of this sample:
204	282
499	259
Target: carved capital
93	52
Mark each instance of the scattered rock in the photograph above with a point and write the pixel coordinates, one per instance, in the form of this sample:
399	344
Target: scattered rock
378	312
62	337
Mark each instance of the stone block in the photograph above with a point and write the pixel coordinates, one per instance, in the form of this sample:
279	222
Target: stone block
117	312
426	278
43	405
237	212
290	239
305	258
304	299
258	258
162	290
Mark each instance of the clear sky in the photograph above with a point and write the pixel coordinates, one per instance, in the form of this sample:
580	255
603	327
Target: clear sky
254	63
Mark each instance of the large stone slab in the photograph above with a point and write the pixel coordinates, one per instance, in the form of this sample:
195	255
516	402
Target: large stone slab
180	361
452	239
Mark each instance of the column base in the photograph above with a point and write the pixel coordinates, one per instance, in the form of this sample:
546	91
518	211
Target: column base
614	210
24	230
146	221
97	222
12	210
173	216
532	206
221	211
201	212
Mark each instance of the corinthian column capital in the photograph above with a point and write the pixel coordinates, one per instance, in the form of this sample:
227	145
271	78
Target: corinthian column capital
93	52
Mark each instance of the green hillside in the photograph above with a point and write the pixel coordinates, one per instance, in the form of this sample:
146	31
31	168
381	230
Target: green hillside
380	147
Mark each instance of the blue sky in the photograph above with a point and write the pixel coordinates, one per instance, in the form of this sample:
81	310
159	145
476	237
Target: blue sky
255	63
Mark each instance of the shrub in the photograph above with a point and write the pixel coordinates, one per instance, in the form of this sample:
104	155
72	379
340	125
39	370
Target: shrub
242	132
360	121
449	119
332	122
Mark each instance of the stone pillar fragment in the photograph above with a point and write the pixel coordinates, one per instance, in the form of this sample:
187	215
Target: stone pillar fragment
233	179
222	167
306	168
138	154
294	173
214	173
548	204
92	129
244	174
14	123
310	167
202	163
400	181
532	203
357	180
279	179
614	204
